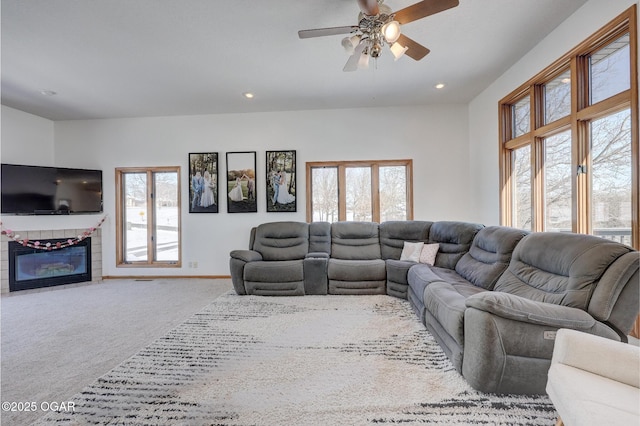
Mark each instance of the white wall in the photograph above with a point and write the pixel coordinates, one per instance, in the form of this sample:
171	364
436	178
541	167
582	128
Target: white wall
483	110
434	137
26	138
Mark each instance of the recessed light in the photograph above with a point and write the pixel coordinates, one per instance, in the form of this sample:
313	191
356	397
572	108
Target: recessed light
439	86
248	95
47	92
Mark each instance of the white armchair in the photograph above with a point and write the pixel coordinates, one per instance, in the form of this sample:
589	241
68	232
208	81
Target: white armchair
594	381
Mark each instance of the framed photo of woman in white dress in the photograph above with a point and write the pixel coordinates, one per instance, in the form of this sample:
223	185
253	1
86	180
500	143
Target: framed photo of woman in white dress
281	181
203	182
241	182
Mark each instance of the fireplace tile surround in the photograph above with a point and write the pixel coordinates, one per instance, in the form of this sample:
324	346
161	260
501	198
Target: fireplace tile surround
96	252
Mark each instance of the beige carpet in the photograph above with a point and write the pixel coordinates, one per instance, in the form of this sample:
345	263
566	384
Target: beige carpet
313	360
57	341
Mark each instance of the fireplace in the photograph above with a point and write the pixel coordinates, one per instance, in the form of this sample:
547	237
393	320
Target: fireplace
31	268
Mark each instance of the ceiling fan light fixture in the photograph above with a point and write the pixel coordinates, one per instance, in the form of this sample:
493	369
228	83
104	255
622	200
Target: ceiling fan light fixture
391	31
398	50
350	43
363	61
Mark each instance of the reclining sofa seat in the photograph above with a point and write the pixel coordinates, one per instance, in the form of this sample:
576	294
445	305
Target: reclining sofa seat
445	291
355	265
279	261
393	235
454	240
554	280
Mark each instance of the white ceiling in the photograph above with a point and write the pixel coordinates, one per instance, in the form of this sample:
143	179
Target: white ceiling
133	58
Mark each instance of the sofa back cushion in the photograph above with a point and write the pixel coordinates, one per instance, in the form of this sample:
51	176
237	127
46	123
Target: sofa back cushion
320	237
393	235
489	255
454	239
282	240
559	268
355	241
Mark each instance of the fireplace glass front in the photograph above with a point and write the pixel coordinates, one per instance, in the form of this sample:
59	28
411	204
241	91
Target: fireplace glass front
34	268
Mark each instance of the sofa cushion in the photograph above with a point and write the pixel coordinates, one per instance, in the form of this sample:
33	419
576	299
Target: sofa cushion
559	268
489	255
447	305
357	270
411	251
455	240
394	233
429	253
274	271
282	240
355	241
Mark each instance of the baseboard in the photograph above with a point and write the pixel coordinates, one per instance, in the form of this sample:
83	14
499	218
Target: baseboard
163	277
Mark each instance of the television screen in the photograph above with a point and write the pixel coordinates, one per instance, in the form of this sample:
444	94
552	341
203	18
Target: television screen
50	190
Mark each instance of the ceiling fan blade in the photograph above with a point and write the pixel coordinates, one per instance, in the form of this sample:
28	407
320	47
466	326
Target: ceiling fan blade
321	32
415	50
423	9
352	62
369	7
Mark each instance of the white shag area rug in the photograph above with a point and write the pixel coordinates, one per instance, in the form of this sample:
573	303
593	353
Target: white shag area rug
312	360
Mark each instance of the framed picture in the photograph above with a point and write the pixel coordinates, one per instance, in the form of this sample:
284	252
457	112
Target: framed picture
241	182
281	181
203	178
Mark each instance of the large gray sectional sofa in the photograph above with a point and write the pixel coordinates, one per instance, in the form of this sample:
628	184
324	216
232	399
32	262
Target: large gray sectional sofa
493	299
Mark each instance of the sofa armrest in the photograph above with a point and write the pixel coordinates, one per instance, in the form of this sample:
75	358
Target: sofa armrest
607	358
317	255
517	308
246	255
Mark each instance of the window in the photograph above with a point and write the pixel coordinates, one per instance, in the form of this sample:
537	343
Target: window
569	146
522	187
148	216
611	175
557	98
368	191
557	182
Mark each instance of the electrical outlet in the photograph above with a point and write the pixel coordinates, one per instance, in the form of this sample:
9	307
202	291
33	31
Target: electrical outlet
195	264
190	264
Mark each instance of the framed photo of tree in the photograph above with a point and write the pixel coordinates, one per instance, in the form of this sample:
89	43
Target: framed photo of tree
281	181
241	182
203	182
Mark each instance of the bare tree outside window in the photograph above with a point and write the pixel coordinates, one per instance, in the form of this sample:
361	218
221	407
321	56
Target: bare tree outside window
610	70
324	183
358	183
363	191
522	188
521	111
557	97
393	193
611	174
557	182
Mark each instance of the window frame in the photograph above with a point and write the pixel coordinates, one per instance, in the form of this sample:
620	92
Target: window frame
151	240
578	122
341	167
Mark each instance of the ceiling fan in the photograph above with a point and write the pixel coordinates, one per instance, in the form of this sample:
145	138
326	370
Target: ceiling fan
377	26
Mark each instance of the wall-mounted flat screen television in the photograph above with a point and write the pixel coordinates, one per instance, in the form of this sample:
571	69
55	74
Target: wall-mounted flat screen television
50	190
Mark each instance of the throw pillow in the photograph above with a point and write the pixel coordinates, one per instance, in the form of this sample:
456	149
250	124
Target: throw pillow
428	253
411	251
